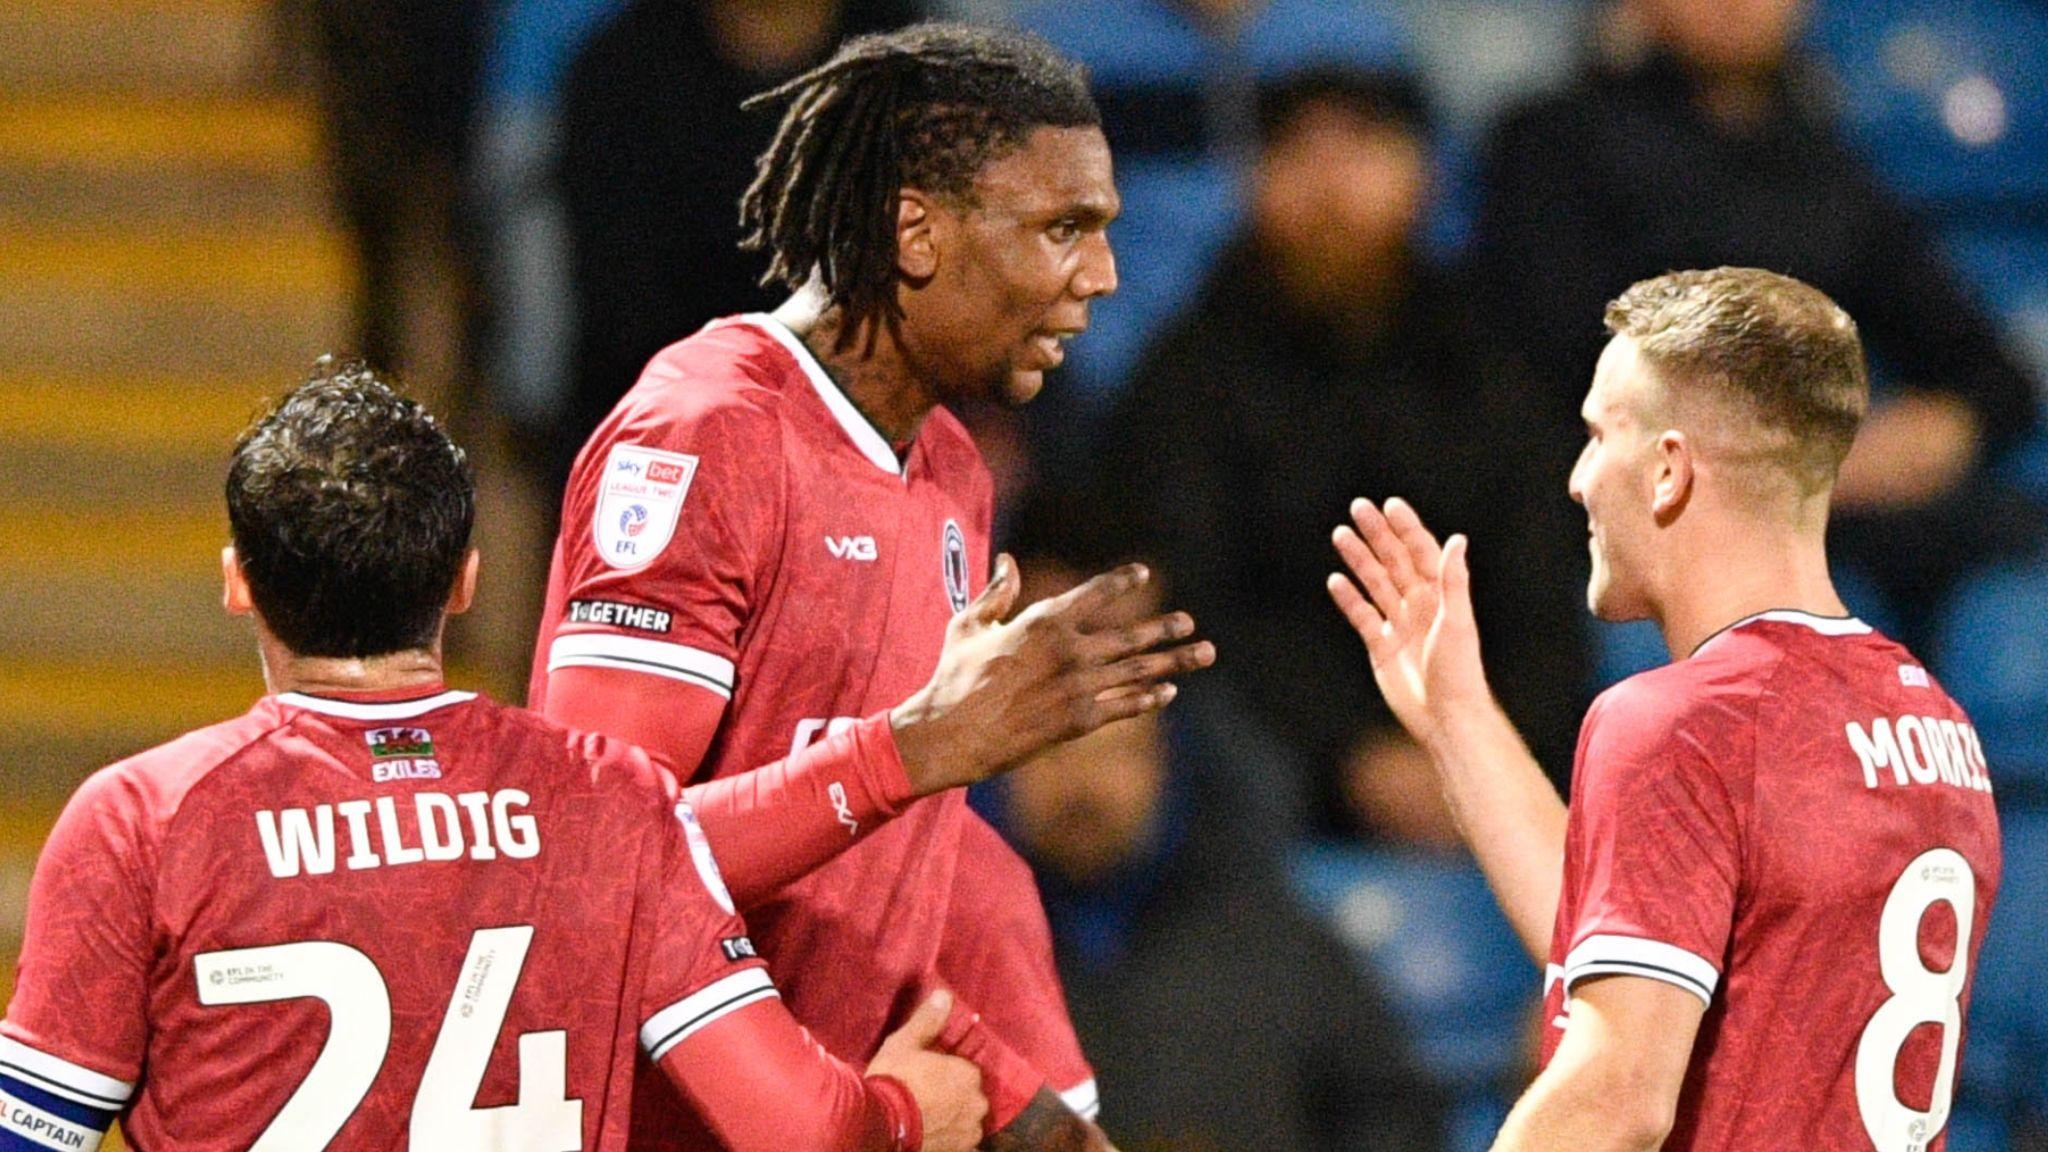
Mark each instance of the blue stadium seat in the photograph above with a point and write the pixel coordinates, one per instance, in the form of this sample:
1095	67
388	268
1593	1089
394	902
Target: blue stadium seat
1456	974
1949	98
2005	1069
1622	650
1993	649
1975	1129
2009	265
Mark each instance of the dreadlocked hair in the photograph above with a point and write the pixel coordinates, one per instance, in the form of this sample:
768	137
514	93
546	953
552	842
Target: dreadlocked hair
925	107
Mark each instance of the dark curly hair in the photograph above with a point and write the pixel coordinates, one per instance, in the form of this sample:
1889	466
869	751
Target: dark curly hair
925	107
351	512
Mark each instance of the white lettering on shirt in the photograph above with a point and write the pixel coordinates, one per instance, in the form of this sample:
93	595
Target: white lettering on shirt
1912	750
303	841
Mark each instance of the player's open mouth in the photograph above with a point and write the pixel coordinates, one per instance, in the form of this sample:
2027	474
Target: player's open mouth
1053	346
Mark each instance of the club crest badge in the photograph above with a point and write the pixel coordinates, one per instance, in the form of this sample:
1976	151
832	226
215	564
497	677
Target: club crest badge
954	561
639	497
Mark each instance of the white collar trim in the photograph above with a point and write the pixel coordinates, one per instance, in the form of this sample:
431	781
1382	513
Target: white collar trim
865	436
357	710
1825	625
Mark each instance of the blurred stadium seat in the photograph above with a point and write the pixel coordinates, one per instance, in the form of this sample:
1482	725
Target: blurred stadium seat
1994	645
2005	1075
1949	97
1429	929
1950	101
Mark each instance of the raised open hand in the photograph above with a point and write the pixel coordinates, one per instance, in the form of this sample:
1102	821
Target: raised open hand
1006	690
1412	605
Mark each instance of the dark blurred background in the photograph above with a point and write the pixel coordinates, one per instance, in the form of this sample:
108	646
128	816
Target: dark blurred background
1364	252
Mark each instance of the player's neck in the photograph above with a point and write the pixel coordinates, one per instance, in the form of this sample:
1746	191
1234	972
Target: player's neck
874	373
1739	574
287	671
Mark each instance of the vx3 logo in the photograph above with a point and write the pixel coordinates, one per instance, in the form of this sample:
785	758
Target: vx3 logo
861	548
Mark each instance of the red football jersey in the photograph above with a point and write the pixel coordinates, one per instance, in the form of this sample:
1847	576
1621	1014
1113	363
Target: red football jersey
428	923
736	524
1795	825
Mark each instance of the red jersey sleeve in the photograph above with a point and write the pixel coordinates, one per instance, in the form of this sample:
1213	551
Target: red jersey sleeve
700	964
1655	839
714	1023
668	529
76	1031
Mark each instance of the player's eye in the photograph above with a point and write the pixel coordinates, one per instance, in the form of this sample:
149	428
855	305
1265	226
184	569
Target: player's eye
1065	230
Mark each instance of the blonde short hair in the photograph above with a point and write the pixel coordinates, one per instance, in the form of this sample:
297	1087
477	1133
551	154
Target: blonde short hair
1779	348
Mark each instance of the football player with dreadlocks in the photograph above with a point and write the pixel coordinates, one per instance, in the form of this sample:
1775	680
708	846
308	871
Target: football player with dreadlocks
768	542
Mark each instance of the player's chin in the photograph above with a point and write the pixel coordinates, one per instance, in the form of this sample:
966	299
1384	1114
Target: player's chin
1607	603
1023	384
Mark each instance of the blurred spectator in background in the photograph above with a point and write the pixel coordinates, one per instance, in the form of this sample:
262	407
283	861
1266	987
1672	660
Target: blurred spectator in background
398	89
1702	139
530	333
1217	1013
655	154
1415	909
1321	361
1177	81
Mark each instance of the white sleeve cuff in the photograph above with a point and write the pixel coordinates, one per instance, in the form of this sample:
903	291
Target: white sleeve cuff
1634	956
690	1015
59	1077
637	654
1083	1099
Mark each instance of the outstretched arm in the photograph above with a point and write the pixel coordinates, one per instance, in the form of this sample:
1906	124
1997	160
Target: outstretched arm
759	1081
1004	690
1614	1084
1411	603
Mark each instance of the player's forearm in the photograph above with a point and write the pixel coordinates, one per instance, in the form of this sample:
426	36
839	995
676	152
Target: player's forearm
779	822
1566	1111
762	1084
1511	817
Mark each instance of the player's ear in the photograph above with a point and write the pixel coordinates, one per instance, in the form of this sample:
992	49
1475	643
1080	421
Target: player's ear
234	594
917	241
463	594
1672	486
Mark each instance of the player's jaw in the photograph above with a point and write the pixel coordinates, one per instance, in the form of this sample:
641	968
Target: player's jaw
1042	349
1617	589
1600	583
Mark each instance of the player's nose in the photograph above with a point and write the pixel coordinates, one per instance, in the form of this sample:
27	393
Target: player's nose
1096	275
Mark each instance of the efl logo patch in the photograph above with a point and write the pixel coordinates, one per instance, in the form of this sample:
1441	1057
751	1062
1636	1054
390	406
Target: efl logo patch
955	563
639	497
700	852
